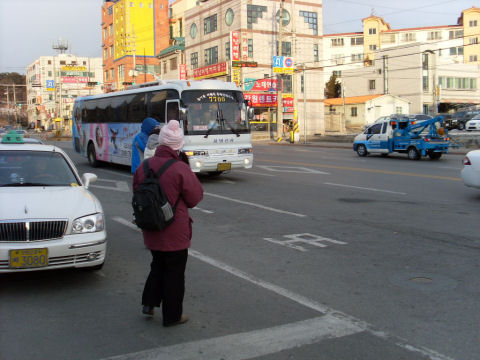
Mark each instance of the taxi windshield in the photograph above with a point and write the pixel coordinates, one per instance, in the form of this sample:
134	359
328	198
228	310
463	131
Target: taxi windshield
35	168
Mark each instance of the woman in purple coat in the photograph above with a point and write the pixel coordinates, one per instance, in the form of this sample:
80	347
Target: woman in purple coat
165	284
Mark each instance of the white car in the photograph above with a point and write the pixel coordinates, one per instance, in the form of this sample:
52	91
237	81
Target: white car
48	218
471	169
473	124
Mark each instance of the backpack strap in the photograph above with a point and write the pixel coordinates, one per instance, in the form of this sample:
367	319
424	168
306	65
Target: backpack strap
161	171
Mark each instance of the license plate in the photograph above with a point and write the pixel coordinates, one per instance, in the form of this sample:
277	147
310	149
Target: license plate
224	166
28	258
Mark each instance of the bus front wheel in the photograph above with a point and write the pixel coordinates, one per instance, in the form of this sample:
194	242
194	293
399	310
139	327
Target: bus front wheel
92	156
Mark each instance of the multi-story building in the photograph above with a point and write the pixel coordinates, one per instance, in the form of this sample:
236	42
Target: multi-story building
133	33
237	41
53	83
455	48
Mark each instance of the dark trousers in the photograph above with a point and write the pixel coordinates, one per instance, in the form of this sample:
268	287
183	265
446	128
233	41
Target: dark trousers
166	283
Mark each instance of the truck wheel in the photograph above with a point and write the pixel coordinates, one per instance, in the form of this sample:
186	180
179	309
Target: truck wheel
435	155
362	150
413	153
461	126
92	156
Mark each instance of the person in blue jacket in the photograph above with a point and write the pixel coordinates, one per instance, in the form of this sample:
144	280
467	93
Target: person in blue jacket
140	141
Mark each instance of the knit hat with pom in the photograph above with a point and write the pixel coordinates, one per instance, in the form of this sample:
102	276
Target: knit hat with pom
171	135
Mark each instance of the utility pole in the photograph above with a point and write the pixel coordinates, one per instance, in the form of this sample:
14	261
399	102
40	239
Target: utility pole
294	75
304	106
15	105
279	77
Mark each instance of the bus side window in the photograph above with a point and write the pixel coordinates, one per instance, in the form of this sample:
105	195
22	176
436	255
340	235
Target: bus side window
156	105
172	111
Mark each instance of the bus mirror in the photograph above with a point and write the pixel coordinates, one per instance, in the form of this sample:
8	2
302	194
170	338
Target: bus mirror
182	114
250	113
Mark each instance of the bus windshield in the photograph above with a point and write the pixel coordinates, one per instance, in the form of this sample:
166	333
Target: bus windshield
215	112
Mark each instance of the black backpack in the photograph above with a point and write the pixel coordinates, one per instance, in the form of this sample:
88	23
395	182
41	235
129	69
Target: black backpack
151	208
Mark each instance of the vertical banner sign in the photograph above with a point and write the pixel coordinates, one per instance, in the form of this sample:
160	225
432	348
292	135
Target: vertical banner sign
244	47
50	85
182	70
235	45
236	75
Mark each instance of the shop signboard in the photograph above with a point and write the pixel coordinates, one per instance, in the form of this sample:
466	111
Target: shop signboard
261	100
235	45
182	72
260	84
210	71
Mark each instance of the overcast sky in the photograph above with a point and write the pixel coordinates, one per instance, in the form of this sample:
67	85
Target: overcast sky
28	28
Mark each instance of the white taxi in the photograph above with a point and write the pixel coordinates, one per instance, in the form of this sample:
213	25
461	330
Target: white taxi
471	169
48	218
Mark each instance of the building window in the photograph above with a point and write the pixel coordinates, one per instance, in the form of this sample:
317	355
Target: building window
388	38
372	31
473	58
112	74
194	60
121	72
62	62
357	57
210	24
105	33
356	41
110	10
337	73
49	62
250	48
315	52
286	48
106	75
473	23
398	110
407	37
254	12
111	51
193	31
434	35
353	112
456	50
372	47
338	59
227	50
173	64
371	84
229	16
105	54
425	61
287	84
311	18
455	34
425	84
473	40
164	67
211	55
337	42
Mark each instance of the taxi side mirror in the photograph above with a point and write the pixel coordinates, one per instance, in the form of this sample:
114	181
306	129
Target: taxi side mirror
88	178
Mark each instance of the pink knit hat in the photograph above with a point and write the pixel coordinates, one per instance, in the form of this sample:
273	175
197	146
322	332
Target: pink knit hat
171	135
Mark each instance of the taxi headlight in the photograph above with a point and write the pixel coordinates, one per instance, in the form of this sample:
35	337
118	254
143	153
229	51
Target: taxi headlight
245	151
90	223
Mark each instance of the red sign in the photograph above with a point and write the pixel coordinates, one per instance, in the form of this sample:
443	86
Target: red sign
182	69
210	71
74	79
261	100
260	84
287	101
235	45
244	48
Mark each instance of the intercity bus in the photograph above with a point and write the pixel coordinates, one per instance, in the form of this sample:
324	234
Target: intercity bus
213	114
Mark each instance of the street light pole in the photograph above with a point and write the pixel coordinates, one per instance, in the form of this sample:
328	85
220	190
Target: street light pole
279	77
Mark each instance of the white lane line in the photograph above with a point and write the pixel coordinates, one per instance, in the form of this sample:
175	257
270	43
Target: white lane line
117	173
255	205
252	344
365	188
309	303
254	173
203	210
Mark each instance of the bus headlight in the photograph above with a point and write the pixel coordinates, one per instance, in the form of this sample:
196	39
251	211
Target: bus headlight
245	151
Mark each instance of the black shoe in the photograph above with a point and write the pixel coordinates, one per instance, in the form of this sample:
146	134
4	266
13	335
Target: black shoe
148	310
183	320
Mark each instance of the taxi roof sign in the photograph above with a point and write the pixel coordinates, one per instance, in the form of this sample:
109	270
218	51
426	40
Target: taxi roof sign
12	137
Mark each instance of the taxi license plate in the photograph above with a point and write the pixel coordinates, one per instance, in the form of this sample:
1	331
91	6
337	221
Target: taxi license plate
224	166
28	258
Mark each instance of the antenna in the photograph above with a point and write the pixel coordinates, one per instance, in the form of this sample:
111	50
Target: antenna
61	46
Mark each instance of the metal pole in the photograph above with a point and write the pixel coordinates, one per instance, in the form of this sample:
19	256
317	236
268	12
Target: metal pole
15	105
279	78
8	106
294	75
304	106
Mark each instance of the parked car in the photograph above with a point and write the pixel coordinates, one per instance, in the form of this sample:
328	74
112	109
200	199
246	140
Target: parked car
419	117
448	122
471	169
48	218
473	124
461	117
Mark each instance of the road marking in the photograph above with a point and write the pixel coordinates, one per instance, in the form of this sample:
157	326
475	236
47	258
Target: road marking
254	173
302	300
203	210
255	205
251	344
126	223
376	171
117	173
304	238
292	169
119	185
365	188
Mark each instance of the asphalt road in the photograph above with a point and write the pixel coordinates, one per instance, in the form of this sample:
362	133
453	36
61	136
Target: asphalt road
315	253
